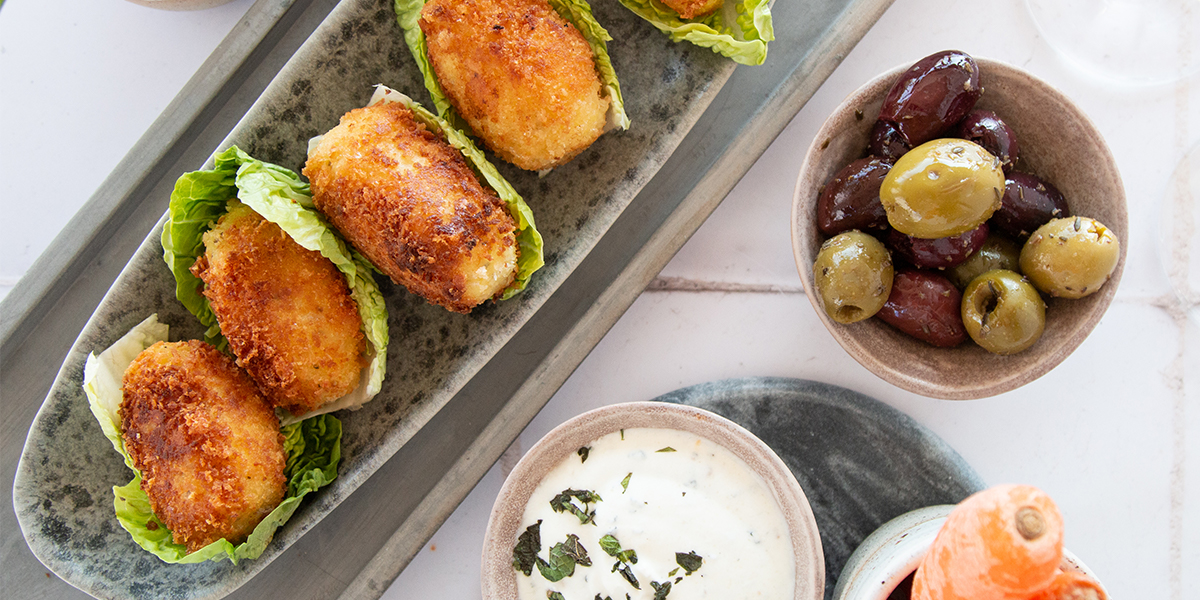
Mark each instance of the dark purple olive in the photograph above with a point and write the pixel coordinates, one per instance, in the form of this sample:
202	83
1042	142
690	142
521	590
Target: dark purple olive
850	200
1029	202
937	253
932	96
926	306
986	129
887	141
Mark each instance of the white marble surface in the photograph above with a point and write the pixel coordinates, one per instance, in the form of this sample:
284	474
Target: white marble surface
1113	433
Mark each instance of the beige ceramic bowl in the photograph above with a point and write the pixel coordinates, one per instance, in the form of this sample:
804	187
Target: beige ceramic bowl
1058	143
504	525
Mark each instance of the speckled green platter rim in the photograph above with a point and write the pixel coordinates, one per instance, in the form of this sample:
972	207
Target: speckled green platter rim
62	492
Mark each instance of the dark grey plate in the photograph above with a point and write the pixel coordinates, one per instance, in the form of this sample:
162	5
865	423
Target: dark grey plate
860	462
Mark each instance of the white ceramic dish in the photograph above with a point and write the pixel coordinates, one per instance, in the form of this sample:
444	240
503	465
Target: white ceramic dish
504	525
894	551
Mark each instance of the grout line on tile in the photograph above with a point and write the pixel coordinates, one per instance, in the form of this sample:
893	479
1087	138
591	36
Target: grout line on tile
682	284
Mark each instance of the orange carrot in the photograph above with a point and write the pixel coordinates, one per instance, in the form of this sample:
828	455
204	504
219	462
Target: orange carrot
1004	543
1072	585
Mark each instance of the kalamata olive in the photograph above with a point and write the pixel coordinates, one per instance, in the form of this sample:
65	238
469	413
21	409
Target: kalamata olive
932	96
938	253
887	141
926	306
1029	202
942	188
853	276
998	252
850	200
1071	257
1003	312
986	129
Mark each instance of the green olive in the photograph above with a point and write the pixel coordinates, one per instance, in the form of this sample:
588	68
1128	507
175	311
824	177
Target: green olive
1070	257
942	188
1003	312
853	276
997	252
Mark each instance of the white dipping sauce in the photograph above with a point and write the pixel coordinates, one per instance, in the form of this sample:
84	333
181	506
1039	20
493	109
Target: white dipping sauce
700	499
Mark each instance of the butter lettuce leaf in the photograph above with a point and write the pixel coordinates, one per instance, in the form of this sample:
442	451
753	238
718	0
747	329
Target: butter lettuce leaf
529	241
280	196
577	12
740	30
313	448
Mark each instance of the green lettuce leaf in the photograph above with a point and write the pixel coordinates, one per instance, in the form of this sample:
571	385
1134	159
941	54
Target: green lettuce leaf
529	240
313	448
739	30
280	196
577	12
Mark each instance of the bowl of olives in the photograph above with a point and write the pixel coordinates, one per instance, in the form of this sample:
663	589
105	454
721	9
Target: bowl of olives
959	226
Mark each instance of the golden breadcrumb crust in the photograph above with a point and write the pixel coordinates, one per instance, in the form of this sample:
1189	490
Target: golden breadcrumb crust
410	203
690	9
206	442
522	76
286	311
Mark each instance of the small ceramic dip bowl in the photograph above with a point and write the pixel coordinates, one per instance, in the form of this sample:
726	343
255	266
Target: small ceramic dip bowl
881	565
1057	143
694	495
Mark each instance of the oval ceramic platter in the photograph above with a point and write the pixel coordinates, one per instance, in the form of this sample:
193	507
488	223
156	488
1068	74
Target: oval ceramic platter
63	489
860	462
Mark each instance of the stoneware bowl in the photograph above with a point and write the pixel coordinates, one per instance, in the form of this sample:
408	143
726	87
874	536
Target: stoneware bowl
1058	143
889	555
504	526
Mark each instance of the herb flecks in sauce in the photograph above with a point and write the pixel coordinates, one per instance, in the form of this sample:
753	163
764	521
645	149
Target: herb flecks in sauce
690	561
527	548
563	558
612	547
563	503
553	595
666	449
661	589
625	483
583	453
627	573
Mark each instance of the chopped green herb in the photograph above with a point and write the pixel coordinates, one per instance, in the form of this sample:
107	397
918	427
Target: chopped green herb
563	503
528	545
622	435
673	572
583	453
604	598
667	449
661	589
625	483
627	573
678	579
690	561
613	548
563	558
553	595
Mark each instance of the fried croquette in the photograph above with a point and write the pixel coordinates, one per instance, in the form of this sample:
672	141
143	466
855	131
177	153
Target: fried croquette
522	77
205	441
690	9
286	311
410	203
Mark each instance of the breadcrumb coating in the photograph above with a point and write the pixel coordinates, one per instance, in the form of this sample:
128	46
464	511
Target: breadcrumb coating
410	203
286	311
522	76
206	442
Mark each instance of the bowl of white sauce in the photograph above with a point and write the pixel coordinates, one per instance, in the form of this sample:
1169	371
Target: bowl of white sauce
649	500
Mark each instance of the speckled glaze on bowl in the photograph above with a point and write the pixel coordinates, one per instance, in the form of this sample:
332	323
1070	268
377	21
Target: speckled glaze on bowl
1058	143
499	577
895	550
